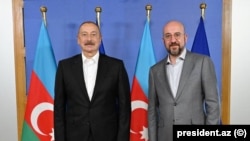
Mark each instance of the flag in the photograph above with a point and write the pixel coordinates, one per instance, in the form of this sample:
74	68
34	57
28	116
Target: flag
200	44
38	120
139	92
101	47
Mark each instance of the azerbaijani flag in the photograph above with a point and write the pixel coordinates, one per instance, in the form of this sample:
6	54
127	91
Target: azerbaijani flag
139	92
38	120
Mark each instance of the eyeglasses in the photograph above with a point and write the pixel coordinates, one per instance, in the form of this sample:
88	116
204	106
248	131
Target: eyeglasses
169	36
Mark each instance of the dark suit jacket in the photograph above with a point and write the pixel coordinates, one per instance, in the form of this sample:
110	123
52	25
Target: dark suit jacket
106	116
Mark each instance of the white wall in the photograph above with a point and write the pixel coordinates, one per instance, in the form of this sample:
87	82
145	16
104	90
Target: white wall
8	115
240	67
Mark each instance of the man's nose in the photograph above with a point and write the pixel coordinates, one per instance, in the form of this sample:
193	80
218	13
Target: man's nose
173	39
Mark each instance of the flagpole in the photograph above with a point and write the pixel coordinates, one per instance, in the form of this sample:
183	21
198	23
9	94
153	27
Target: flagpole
98	11
203	6
148	9
43	9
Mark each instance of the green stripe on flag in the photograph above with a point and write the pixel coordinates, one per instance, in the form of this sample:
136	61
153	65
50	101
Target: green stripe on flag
28	134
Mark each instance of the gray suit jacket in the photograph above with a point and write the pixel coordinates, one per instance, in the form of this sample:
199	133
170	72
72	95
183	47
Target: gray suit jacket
197	85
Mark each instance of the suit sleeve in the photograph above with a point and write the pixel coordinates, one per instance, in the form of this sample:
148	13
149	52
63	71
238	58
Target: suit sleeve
124	105
209	84
152	100
59	106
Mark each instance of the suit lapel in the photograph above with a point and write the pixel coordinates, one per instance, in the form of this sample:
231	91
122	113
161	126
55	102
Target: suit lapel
77	68
163	74
101	71
187	68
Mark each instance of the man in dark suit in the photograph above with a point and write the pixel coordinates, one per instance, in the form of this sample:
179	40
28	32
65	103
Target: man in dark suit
92	93
179	85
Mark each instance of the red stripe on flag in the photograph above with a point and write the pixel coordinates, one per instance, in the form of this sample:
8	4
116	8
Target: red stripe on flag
39	109
137	92
139	123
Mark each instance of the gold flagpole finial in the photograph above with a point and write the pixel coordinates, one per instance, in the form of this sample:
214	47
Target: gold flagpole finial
98	11
148	9
203	6
43	9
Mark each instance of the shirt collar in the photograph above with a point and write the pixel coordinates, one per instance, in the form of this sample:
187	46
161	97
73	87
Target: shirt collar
94	58
181	57
183	54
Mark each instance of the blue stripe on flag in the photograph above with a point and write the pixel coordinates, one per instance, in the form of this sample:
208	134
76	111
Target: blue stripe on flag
45	63
146	59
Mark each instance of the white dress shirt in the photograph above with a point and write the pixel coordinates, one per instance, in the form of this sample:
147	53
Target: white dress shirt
174	72
90	71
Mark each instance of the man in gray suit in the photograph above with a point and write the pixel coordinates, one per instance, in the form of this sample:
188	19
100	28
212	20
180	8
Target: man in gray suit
179	87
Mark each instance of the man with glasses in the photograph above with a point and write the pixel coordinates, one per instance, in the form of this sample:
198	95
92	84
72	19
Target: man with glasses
179	87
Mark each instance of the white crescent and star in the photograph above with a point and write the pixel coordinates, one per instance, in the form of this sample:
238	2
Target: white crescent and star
39	108
137	104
